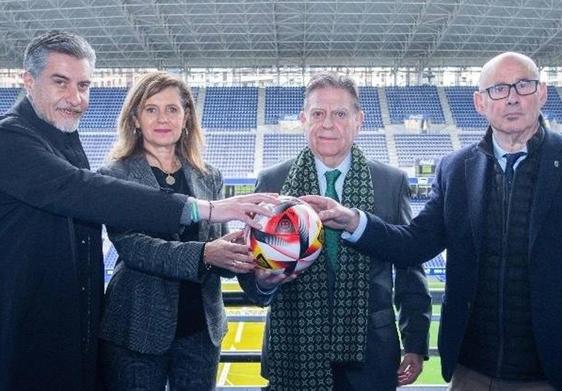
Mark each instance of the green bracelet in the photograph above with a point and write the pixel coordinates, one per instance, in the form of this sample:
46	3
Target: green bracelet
194	212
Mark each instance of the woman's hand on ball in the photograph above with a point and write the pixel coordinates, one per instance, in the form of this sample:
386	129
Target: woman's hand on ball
227	252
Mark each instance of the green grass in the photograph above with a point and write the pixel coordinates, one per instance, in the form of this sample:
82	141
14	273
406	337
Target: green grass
248	336
431	372
435	285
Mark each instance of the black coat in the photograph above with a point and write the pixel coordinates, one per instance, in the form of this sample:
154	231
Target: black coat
454	219
51	266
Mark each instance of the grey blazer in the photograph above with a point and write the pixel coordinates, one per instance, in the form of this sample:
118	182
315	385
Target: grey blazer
408	290
142	297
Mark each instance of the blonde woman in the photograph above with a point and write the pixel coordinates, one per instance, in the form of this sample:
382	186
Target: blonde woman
164	317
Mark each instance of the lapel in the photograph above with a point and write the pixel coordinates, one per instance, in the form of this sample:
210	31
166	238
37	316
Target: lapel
201	185
140	171
202	188
475	179
548	180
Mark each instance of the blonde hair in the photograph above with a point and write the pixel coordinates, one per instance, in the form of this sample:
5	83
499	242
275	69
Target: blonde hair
129	140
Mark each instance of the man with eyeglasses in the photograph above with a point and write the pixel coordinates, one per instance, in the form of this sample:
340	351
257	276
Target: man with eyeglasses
494	207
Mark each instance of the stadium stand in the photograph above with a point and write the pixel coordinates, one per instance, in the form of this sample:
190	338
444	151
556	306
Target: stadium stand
282	102
470	138
231	152
280	147
235	155
373	145
369	98
421	146
97	146
462	107
105	104
195	94
414	100
230	108
7	98
553	106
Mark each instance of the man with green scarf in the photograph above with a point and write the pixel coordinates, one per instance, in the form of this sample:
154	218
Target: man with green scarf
333	327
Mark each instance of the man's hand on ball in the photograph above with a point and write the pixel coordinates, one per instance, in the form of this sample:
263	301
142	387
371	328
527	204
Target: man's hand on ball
332	213
267	280
242	208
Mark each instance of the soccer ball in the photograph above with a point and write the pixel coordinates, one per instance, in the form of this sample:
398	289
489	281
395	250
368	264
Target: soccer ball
290	240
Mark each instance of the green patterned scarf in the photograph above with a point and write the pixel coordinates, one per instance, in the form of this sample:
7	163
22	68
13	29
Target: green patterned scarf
303	340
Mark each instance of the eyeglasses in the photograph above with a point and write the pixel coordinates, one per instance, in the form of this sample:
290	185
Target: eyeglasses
502	90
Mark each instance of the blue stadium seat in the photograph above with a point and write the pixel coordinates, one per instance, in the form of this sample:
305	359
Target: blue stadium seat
282	102
109	260
233	153
470	138
105	105
411	147
97	146
404	102
229	108
7	98
280	147
369	99
462	107
553	106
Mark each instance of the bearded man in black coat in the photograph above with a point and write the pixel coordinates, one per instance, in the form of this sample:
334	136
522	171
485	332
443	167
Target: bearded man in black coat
51	210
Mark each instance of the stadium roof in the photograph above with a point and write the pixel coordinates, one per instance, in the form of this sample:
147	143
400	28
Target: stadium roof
242	33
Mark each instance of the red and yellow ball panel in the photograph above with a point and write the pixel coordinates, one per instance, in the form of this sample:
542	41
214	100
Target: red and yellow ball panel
290	240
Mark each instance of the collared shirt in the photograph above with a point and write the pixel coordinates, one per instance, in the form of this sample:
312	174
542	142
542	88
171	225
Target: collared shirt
499	153
344	168
321	169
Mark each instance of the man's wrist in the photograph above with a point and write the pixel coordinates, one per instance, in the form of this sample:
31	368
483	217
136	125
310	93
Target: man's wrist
185	218
204	208
266	291
194	211
354	223
356	234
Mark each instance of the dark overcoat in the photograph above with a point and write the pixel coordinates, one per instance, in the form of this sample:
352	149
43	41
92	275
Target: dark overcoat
454	219
51	266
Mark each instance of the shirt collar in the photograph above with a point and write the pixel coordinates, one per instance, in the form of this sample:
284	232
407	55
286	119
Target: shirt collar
499	152
344	166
